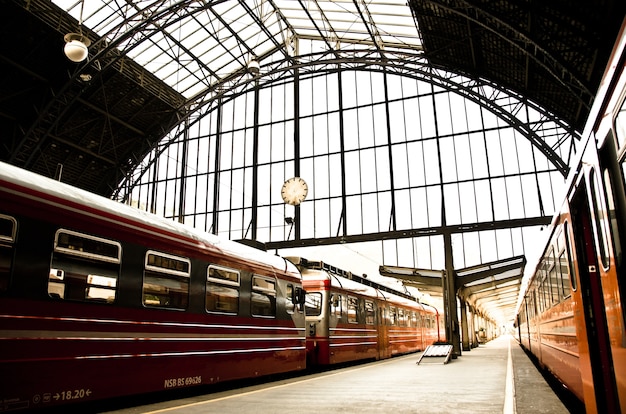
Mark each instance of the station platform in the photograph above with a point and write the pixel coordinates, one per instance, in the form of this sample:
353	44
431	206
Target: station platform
496	377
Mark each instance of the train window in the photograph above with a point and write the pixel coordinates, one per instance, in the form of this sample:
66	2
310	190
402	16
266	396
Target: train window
84	268
545	284
161	262
599	222
353	304
547	290
562	266
529	304
335	305
89	247
402	317
540	292
370	313
553	277
564	275
613	214
568	252
263	298
543	297
294	297
289	306
620	126
222	290
393	316
313	304
166	281
8	228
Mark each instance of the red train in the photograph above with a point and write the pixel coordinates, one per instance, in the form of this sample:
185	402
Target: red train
571	316
99	300
351	318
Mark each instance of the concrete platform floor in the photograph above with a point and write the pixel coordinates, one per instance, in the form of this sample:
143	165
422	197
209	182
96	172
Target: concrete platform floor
496	377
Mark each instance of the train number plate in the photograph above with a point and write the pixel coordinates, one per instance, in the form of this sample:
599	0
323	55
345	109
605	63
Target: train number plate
182	382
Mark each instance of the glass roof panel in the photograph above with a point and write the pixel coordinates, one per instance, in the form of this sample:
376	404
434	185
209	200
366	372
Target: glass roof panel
194	45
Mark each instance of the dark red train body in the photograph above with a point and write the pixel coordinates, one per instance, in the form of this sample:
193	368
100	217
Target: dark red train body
351	318
99	300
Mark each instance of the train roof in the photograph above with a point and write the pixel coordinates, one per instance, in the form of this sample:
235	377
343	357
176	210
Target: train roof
607	84
53	188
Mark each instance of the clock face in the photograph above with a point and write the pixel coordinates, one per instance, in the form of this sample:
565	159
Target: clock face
294	191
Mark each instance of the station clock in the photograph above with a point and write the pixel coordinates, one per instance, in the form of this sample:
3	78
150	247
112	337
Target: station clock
294	191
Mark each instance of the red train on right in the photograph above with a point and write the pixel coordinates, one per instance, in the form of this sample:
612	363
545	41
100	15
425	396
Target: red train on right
571	313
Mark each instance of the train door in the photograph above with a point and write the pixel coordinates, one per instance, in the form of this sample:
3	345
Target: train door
594	347
613	272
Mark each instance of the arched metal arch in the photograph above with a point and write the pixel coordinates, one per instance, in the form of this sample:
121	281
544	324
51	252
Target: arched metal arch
489	95
503	104
139	26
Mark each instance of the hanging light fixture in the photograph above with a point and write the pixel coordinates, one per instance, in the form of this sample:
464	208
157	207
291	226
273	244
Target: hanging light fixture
76	47
76	44
254	67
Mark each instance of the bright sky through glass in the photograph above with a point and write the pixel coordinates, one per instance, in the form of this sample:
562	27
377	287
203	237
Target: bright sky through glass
196	46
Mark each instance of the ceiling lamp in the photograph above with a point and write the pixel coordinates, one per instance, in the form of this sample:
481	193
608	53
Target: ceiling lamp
254	67
76	44
76	47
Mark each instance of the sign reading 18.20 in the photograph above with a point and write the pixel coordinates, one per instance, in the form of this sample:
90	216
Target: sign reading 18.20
71	395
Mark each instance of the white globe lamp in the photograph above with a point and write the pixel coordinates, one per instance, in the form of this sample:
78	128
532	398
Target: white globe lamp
254	67
76	47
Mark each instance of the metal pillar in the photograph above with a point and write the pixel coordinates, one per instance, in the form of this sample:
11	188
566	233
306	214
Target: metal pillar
464	326
449	298
473	327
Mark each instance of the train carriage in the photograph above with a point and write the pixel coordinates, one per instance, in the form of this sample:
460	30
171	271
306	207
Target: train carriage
571	316
546	322
350	318
98	300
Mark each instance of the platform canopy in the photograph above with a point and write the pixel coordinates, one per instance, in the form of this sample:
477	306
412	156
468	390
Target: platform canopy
491	288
